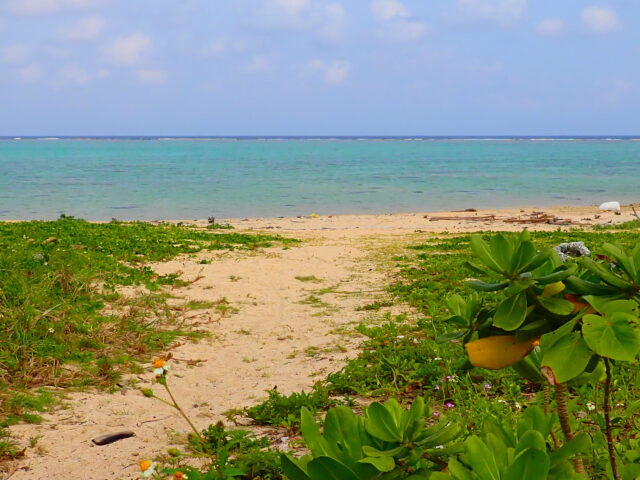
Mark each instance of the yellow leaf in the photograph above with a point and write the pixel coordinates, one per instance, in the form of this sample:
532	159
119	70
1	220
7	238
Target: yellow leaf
553	289
494	353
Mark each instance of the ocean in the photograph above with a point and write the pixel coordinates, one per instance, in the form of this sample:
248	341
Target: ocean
150	178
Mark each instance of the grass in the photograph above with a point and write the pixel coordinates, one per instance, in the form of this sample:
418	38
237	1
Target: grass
63	320
401	357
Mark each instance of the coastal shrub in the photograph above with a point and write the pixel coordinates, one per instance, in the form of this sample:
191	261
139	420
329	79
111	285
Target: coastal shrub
526	452
386	442
555	322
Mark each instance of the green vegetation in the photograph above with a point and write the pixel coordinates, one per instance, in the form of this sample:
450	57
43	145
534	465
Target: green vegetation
508	421
63	318
531	376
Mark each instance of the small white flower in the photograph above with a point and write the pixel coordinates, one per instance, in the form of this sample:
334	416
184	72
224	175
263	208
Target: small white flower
517	405
400	336
590	406
437	359
51	330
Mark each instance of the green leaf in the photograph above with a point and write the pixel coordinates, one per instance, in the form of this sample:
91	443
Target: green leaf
558	275
531	439
459	471
558	306
481	459
539	259
605	274
531	464
502	251
523	256
585	287
567	357
482	251
291	468
580	443
528	370
440	434
312	436
343	427
534	418
621	258
370	451
590	378
609	306
382	464
511	313
549	339
327	468
612	336
486	287
447	337
381	424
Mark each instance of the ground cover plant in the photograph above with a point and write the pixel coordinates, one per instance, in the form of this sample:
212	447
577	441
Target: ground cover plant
513	426
63	321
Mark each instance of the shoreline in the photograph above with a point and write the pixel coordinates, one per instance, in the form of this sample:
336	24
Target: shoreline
508	219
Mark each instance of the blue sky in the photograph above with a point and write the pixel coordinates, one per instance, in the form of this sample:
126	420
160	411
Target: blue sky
315	67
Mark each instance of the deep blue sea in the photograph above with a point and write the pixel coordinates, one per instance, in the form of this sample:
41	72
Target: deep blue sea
160	178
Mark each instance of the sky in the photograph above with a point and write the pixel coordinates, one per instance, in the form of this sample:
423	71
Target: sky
316	67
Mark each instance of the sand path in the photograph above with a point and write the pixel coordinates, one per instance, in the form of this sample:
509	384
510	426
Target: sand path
279	337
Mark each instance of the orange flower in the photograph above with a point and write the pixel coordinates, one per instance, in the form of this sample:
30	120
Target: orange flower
159	363
179	476
147	467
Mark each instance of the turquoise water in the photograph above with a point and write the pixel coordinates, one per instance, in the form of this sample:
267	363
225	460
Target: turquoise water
100	179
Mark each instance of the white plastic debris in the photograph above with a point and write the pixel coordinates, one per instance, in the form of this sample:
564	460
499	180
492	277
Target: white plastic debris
612	206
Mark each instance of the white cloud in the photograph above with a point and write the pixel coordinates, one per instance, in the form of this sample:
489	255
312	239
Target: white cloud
29	73
550	27
337	72
223	47
292	7
500	12
216	48
334	72
257	64
388	9
85	29
600	19
72	75
129	50
333	22
152	77
404	30
326	20
15	53
43	7
397	23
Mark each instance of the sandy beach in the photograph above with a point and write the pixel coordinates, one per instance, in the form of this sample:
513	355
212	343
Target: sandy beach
275	338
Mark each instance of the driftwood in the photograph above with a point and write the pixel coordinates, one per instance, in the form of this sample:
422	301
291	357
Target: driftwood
539	217
112	437
484	218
